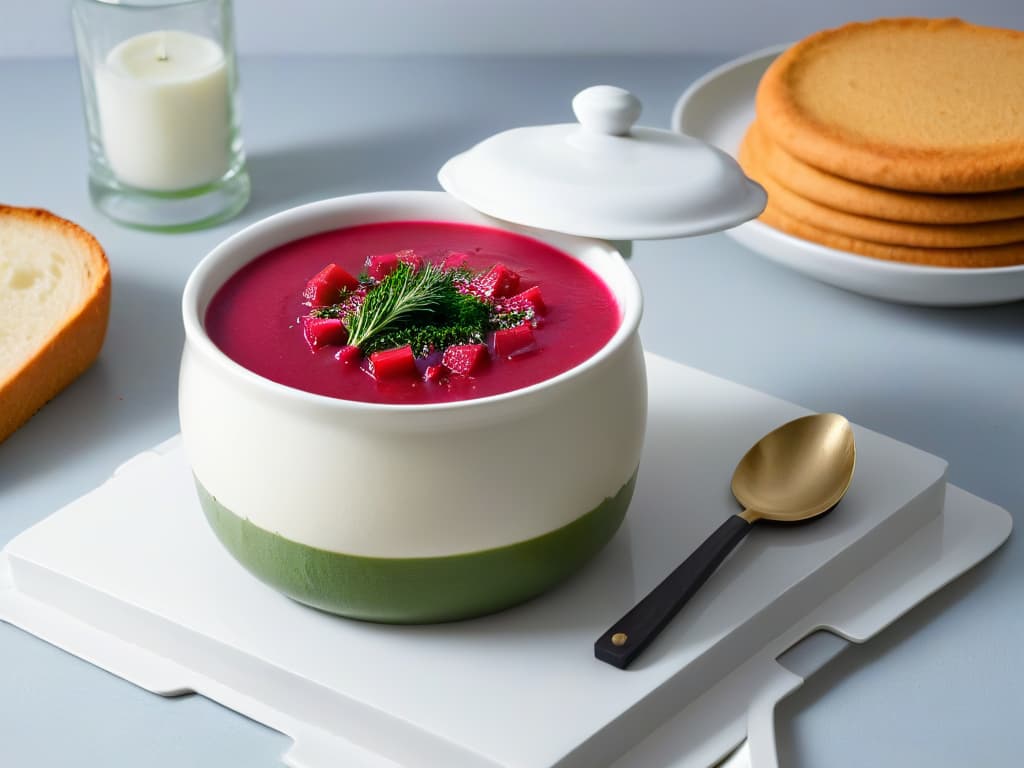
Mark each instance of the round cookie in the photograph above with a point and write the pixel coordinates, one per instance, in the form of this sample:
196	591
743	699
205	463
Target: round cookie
925	105
991	256
974	258
875	230
890	232
879	202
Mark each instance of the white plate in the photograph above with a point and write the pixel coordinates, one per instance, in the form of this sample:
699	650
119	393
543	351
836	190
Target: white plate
720	105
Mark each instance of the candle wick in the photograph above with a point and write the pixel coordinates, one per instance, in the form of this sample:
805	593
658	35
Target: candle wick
161	51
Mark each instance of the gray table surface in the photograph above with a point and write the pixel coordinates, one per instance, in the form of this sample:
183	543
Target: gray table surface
942	687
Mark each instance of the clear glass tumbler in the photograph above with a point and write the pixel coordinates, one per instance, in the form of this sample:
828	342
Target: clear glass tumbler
159	85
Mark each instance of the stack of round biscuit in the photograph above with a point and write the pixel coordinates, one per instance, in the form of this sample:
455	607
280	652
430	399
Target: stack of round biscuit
901	139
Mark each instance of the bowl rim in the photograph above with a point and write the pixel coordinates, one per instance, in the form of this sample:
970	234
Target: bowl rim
626	289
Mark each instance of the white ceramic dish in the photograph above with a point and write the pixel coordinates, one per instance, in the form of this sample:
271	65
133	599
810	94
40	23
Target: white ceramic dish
719	106
458	508
438	525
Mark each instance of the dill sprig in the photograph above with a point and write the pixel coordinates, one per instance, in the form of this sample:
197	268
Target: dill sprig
408	301
398	298
428	309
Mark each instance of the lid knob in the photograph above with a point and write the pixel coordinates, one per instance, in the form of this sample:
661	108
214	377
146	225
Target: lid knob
606	109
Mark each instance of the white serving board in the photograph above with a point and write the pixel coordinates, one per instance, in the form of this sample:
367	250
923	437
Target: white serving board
719	106
130	578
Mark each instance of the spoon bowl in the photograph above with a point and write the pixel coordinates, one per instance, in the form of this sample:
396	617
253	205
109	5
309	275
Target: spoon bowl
798	471
793	474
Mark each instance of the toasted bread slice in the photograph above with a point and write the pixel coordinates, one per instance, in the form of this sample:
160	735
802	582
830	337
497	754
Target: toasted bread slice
54	307
925	105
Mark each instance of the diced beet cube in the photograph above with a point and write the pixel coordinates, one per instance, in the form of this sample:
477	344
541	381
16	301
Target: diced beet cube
454	260
393	363
464	358
326	286
410	258
529	298
434	373
348	354
499	280
380	266
322	331
508	341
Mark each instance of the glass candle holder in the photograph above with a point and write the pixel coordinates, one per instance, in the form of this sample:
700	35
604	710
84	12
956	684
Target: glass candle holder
159	85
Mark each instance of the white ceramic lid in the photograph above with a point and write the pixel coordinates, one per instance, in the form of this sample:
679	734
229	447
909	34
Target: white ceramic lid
602	177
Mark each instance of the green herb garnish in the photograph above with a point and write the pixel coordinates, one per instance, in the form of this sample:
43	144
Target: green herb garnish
399	299
427	309
425	338
347	303
335	310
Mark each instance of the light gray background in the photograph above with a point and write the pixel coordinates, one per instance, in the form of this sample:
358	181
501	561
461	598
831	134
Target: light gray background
944	687
40	27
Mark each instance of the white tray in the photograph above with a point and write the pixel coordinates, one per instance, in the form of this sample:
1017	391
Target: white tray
719	106
130	578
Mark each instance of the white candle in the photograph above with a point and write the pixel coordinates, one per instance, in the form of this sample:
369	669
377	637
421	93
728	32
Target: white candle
164	112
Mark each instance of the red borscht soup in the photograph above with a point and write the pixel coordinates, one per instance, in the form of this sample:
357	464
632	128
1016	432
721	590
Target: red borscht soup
412	312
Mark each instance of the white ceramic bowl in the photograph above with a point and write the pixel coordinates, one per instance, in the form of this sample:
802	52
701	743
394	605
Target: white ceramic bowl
411	513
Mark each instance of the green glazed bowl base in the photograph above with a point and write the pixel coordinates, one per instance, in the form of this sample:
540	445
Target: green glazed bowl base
417	590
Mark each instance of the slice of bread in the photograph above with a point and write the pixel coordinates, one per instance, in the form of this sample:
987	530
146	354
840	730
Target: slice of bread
54	306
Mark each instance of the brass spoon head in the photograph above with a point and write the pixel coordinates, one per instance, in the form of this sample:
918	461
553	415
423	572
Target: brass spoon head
798	471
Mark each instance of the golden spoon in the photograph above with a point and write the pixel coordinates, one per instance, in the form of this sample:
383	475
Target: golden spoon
794	473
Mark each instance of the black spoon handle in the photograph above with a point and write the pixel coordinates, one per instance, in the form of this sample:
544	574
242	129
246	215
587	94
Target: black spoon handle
628	637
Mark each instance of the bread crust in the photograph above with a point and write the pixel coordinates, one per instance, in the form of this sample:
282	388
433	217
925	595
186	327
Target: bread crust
75	344
843	152
878	202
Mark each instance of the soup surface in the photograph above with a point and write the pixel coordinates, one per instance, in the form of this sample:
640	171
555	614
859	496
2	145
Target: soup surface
290	314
